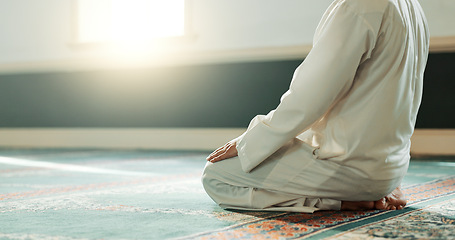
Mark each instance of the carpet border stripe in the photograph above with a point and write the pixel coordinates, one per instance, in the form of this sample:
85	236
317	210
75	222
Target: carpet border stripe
425	189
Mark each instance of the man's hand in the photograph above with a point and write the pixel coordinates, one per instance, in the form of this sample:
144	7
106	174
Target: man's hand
224	152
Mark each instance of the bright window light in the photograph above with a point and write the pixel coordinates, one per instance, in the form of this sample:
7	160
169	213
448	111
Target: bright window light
128	20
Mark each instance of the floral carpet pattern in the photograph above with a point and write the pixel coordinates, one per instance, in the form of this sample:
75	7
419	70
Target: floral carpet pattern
416	223
63	194
433	222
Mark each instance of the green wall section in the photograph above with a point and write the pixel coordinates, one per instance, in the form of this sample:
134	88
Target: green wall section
218	95
438	103
225	95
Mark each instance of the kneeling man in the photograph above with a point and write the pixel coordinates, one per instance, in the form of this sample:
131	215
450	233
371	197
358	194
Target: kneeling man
340	137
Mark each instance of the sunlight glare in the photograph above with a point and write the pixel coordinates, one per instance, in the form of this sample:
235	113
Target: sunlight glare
129	20
68	167
141	20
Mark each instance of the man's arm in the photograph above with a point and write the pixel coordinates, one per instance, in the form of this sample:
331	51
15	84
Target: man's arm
326	75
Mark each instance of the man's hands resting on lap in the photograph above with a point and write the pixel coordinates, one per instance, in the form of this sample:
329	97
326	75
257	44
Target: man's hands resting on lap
229	150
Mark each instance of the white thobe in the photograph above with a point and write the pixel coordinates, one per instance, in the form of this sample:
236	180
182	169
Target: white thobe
342	131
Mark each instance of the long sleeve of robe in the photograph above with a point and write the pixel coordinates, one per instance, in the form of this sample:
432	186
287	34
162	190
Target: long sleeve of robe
355	98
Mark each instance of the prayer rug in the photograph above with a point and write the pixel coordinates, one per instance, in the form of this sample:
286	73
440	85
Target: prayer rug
145	194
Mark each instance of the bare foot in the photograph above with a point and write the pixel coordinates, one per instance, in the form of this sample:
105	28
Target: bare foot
394	201
355	206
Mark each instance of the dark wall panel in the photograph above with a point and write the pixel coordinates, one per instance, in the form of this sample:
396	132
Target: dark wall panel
438	104
218	95
225	95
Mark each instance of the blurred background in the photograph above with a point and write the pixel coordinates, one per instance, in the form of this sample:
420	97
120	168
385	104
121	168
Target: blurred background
174	73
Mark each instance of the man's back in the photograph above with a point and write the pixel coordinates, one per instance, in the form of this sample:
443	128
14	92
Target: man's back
369	128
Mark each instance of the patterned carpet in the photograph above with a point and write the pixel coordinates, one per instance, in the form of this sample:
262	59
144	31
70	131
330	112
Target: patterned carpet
105	194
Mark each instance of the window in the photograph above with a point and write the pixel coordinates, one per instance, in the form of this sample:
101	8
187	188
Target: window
128	20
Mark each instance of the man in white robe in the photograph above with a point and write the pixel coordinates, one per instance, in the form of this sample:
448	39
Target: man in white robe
340	137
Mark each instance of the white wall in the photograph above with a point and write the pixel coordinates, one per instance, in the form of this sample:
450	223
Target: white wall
41	31
34	30
239	24
441	16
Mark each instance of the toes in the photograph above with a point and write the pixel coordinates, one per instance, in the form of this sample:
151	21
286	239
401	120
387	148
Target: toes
380	204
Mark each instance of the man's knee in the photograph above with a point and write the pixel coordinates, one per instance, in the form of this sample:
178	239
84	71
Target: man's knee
211	184
208	173
208	178
222	192
213	172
